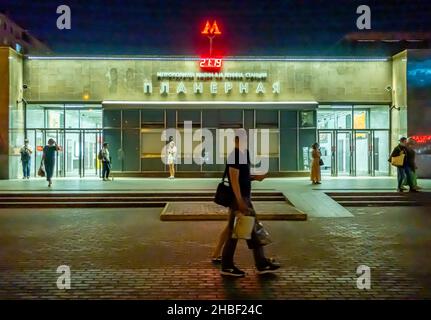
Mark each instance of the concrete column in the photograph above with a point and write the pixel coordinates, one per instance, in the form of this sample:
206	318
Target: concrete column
11	75
4	112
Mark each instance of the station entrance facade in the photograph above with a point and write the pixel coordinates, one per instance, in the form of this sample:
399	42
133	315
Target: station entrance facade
354	139
129	102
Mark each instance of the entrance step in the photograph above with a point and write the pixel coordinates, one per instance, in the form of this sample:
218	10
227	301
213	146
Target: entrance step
381	199
115	199
197	211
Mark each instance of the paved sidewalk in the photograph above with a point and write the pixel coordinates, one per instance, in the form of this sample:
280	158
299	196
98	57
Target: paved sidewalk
131	254
202	184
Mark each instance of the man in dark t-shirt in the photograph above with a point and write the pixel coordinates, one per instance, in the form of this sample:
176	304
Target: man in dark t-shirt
240	160
238	171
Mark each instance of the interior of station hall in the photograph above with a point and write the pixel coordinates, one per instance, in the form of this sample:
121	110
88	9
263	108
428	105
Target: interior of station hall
355	108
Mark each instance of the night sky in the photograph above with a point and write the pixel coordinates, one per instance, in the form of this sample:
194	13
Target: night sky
253	27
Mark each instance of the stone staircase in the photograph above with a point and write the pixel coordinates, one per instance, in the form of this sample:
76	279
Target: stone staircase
381	199
117	199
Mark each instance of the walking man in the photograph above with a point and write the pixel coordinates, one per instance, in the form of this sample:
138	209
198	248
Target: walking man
26	152
238	168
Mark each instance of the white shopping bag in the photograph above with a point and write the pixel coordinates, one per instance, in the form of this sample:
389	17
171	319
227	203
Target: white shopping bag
243	227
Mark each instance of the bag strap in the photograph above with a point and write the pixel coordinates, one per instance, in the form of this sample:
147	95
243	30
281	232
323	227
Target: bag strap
224	174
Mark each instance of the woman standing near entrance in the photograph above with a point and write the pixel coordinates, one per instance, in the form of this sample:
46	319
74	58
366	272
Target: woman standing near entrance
172	155
315	164
48	159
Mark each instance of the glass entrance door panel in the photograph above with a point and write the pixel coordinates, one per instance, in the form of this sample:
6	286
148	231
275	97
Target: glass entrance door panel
91	145
60	154
327	148
363	159
31	136
344	153
381	152
39	143
72	152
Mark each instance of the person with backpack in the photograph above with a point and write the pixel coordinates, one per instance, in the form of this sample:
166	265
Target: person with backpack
239	177
106	161
26	152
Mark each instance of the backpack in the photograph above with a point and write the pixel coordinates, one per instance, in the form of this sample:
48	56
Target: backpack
25	156
100	155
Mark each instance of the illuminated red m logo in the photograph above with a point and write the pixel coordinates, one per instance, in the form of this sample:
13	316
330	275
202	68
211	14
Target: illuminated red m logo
211	30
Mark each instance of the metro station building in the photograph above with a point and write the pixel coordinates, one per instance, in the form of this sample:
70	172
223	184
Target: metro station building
356	108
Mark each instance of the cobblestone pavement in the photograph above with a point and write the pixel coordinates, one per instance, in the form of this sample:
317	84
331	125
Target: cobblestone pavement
131	254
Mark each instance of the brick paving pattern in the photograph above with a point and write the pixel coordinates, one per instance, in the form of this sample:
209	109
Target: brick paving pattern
131	254
265	210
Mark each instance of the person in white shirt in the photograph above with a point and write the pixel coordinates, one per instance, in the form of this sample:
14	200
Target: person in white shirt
106	161
172	156
26	152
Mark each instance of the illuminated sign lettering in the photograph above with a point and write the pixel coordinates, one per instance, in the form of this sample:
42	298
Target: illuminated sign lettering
422	139
211	29
211	64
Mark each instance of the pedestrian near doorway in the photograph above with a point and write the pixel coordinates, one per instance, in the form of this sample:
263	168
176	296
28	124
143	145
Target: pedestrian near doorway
172	156
26	152
48	158
316	162
106	161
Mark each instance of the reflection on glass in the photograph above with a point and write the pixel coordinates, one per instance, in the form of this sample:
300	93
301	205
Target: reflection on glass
72	151
340	118
271	139
91	118
325	142
72	119
54	118
362	153
380	153
360	119
307	119
379	117
343	153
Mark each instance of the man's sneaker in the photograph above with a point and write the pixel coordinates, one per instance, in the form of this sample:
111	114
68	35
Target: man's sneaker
233	272
270	267
216	260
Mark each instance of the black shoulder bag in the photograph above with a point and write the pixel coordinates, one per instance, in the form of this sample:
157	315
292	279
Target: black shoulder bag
224	195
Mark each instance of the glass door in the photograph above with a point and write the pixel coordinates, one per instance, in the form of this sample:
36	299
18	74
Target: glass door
37	142
73	153
344	153
91	144
363	153
381	152
327	150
